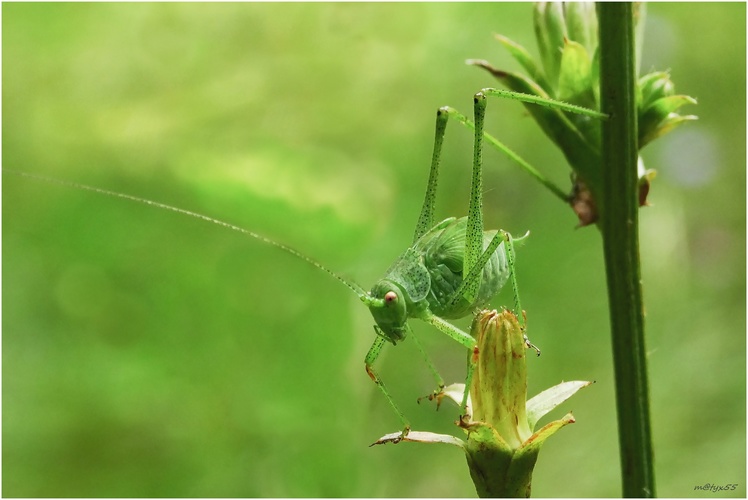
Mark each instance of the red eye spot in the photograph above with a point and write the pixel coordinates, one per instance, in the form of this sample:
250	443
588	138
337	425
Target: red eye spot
390	297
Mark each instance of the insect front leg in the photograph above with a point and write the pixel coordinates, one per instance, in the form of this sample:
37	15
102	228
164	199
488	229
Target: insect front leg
372	356
437	394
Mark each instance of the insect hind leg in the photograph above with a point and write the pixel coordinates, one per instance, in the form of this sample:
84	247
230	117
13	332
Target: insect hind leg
472	279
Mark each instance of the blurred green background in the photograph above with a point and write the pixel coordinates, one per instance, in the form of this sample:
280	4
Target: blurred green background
147	353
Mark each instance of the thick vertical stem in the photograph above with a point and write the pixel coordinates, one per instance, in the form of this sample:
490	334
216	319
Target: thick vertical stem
619	224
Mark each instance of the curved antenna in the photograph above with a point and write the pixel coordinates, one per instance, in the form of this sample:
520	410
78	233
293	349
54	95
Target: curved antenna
350	284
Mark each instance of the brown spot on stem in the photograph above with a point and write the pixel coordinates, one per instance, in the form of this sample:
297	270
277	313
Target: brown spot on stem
583	203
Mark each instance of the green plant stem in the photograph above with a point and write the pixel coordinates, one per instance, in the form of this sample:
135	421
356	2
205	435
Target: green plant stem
619	225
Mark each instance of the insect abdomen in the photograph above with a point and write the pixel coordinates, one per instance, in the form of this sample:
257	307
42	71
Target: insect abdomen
443	251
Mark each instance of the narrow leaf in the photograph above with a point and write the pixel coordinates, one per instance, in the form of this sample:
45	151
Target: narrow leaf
533	444
651	87
655	116
547	400
640	14
581	22
661	108
422	437
595	75
583	156
665	126
550	32
522	56
575	77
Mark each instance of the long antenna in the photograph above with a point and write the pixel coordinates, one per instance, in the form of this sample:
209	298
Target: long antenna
350	284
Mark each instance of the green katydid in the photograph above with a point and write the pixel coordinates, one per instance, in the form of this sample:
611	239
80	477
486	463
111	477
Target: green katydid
451	269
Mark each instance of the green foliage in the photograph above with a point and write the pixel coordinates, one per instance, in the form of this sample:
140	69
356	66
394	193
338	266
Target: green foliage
566	35
146	354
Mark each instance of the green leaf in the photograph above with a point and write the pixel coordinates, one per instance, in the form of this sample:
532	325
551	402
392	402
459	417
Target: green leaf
666	105
653	117
547	400
652	87
533	444
595	72
550	31
640	14
581	23
522	56
582	154
520	470
480	432
489	459
664	127
575	78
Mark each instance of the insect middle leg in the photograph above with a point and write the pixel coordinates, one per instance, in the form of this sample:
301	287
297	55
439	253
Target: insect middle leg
438	378
466	340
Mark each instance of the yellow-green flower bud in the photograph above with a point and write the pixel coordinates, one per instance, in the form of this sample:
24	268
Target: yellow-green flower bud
501	447
499	387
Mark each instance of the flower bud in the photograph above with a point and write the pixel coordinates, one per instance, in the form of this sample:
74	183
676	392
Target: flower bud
499	387
501	447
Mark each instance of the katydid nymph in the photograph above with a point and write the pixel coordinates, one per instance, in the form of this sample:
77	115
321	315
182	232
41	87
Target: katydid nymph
451	269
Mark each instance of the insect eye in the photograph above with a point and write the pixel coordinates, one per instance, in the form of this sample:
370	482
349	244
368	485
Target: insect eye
390	297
